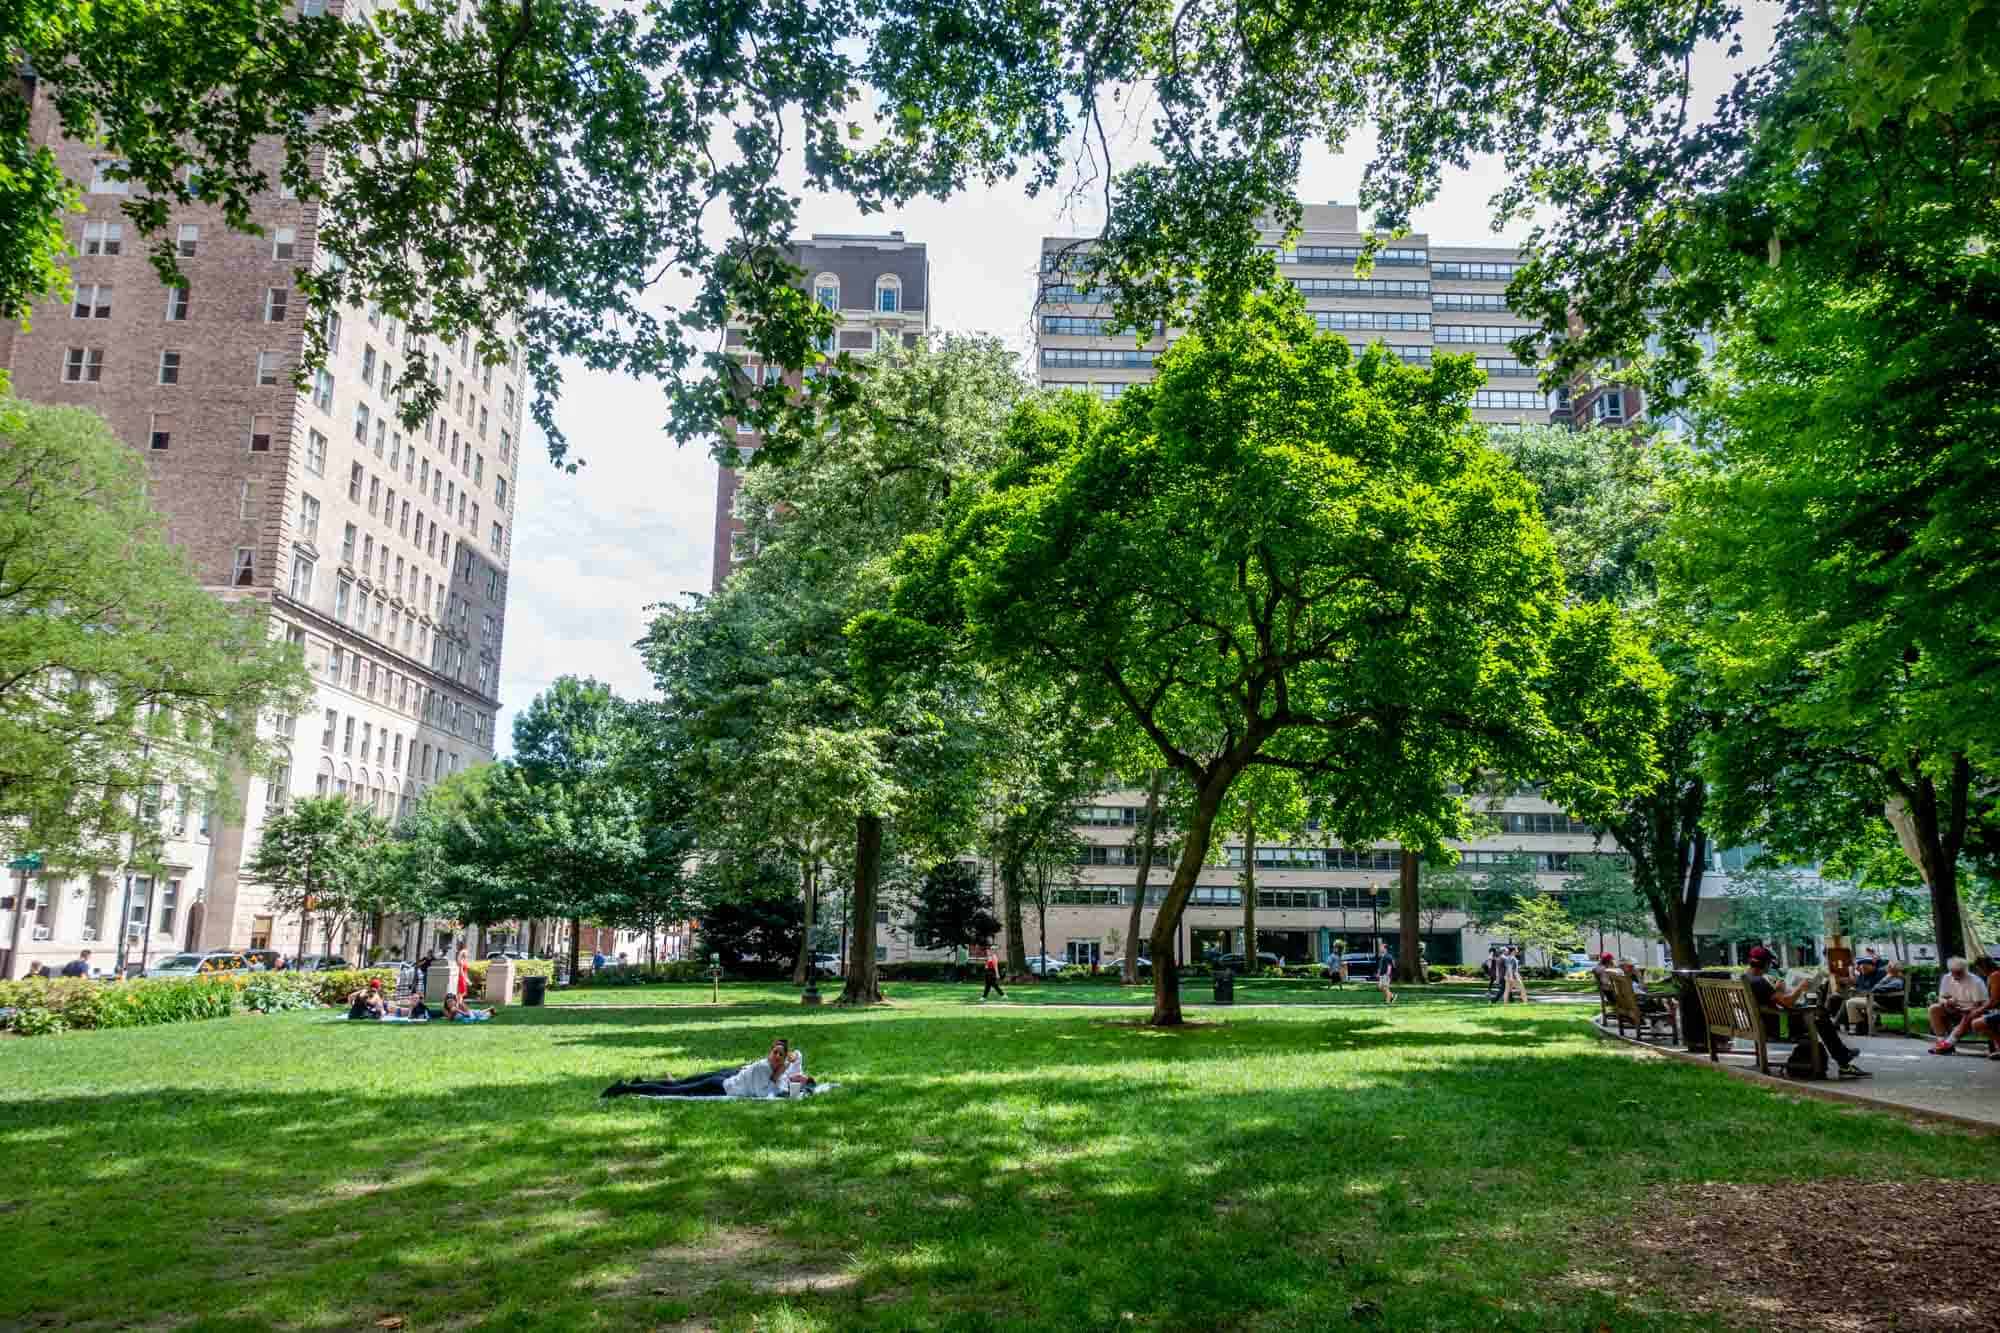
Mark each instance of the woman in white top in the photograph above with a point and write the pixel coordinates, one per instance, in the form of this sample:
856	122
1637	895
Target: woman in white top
781	1073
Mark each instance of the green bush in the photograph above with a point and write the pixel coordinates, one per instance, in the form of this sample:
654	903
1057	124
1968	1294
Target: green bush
82	1003
277	992
37	1020
334	987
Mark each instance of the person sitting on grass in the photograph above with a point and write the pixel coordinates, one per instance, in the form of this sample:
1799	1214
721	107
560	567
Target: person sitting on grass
368	1002
455	1010
418	1012
781	1073
1770	993
1966	1002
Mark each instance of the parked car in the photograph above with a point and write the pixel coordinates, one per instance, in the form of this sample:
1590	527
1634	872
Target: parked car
199	964
506	953
1265	958
1046	966
321	962
1117	965
827	964
263	960
1578	965
1360	966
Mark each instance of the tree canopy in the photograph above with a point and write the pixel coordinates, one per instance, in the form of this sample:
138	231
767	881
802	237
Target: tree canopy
1285	555
119	672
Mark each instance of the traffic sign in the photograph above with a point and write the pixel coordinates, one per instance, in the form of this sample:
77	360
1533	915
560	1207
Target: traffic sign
32	861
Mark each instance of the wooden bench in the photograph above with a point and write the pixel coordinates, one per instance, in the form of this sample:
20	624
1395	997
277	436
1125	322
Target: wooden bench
1730	1010
1627	1011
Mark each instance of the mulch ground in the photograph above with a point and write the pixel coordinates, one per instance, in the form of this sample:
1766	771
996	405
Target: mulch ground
1829	1256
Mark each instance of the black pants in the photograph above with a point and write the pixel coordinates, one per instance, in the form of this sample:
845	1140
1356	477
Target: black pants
694	1085
1496	987
1837	1050
992	985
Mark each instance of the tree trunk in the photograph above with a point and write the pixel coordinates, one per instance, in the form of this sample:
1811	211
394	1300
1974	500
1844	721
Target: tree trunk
575	947
861	987
1933	835
1194	851
1249	890
806	941
1013	875
1042	917
1409	967
1153	786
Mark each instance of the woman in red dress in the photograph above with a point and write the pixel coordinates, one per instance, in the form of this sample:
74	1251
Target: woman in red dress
460	963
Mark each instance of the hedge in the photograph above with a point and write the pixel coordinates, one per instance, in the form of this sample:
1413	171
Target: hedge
41	1007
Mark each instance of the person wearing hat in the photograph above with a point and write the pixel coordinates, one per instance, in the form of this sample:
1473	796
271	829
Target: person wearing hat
368	1002
1648	1002
1773	994
1606	967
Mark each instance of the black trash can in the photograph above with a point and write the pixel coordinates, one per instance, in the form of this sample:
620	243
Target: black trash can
1225	986
533	989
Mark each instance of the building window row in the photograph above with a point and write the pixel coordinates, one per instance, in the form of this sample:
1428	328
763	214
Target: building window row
1469	301
1099	357
1089	326
1522	399
1384	288
1504	365
1068	293
1475	270
1480	333
1334	320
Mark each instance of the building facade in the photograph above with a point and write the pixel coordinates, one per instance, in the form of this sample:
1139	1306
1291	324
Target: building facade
381	552
880	288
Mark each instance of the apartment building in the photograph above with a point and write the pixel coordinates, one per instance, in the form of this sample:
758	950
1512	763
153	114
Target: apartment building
382	552
880	287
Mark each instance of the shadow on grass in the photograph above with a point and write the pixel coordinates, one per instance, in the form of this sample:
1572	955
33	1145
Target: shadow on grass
975	1173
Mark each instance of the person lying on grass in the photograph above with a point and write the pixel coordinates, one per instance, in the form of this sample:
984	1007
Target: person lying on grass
368	1002
456	1011
781	1073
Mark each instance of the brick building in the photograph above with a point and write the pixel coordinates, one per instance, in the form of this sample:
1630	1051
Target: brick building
382	552
880	287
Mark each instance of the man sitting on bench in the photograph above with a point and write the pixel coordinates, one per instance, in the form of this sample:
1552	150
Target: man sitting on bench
1649	1003
1772	994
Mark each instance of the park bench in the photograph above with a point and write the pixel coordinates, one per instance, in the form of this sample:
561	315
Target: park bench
1626	1011
1895	1002
1731	1010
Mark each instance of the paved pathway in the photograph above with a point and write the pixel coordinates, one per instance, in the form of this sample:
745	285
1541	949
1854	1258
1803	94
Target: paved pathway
1964	1086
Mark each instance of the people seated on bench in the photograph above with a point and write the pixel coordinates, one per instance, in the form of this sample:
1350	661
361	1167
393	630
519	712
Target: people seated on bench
1649	1003
368	1002
1606	965
1769	993
781	1073
1963	995
1873	981
456	1011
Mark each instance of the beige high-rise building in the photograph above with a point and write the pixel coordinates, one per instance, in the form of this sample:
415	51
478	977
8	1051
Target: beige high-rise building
382	552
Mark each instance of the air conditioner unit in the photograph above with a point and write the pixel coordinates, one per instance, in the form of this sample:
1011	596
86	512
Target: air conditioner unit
41	932
89	934
134	929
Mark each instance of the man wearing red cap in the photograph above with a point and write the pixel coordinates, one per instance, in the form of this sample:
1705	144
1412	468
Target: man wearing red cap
1772	994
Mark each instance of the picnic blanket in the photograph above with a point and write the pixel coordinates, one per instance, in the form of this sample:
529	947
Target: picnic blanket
814	1091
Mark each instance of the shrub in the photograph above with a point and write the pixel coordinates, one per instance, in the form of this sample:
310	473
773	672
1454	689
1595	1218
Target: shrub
82	1004
37	1020
335	987
277	992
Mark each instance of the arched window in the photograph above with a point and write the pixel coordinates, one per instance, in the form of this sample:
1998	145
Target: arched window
826	291
888	294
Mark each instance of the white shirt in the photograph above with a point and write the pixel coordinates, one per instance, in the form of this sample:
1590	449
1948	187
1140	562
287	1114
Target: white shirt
1966	991
756	1080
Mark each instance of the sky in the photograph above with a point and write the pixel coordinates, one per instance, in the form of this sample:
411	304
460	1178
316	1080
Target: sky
633	526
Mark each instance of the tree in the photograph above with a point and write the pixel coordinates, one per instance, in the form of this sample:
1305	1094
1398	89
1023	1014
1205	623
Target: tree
1441	891
952	909
309	856
1601	897
1267	801
1149	839
753	917
1854	635
1769	906
120	675
1541	923
769	664
1282	555
1503	886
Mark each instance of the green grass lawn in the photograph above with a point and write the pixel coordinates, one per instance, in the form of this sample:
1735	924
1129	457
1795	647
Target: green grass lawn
996	1168
1194	990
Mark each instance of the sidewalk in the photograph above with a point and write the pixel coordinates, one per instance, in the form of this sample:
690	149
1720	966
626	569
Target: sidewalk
1964	1087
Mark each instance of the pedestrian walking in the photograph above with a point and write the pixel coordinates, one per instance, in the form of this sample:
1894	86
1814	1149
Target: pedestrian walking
1385	967
958	961
461	965
992	977
1496	975
1516	989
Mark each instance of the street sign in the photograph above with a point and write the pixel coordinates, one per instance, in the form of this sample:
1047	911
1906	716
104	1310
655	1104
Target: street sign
32	861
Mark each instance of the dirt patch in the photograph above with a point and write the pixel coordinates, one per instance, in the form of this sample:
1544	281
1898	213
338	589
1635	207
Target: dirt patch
1812	1257
746	1255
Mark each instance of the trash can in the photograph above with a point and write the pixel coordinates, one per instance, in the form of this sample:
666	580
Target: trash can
1225	986
532	989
